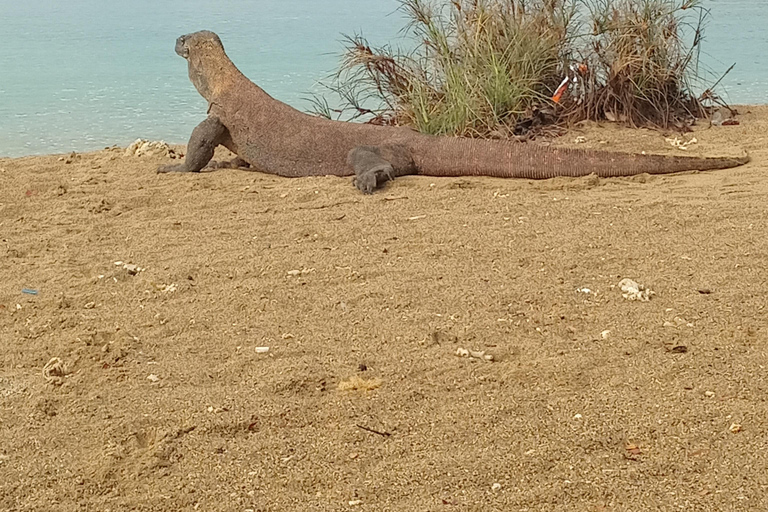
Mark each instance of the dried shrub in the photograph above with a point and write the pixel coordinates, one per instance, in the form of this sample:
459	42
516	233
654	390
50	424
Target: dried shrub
640	69
490	68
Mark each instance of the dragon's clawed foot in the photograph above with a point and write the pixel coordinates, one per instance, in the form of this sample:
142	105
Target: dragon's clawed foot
371	179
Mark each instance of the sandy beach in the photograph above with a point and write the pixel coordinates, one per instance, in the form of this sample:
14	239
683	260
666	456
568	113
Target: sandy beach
165	398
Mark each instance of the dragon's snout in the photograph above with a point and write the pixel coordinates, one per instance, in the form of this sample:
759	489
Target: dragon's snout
181	47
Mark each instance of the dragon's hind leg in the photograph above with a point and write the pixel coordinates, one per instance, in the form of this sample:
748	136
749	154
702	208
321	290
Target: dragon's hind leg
375	165
203	141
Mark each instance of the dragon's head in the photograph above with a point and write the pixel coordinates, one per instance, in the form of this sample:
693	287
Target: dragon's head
205	54
203	41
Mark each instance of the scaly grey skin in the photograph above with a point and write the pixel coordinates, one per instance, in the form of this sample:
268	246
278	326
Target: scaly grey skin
272	137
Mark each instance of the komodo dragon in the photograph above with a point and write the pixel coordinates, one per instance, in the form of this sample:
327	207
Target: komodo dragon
273	137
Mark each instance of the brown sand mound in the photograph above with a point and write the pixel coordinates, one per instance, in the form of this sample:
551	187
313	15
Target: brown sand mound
160	401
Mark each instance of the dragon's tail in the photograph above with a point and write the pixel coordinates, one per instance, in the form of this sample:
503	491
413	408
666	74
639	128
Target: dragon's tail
449	156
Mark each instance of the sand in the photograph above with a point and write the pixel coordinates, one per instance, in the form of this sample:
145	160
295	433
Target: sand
166	399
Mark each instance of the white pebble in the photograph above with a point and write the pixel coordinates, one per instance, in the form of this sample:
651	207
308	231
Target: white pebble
632	290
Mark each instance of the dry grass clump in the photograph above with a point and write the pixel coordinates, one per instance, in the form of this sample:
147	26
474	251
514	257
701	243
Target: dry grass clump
494	68
639	66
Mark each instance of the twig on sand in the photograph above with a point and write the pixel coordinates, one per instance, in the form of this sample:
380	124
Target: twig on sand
324	206
372	431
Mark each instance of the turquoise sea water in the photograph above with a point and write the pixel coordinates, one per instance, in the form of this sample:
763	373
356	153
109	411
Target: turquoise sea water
84	74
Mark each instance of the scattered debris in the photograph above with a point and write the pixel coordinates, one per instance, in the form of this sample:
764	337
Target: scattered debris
704	291
605	334
735	428
354	503
474	354
89	305
709	394
262	350
303	271
144	147
678	322
130	267
680	143
54	371
496	487
29	291
719	116
580	139
679	349
583	290
417	217
69	158
355	383
153	378
723	117
633	449
577	416
632	290
168	288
